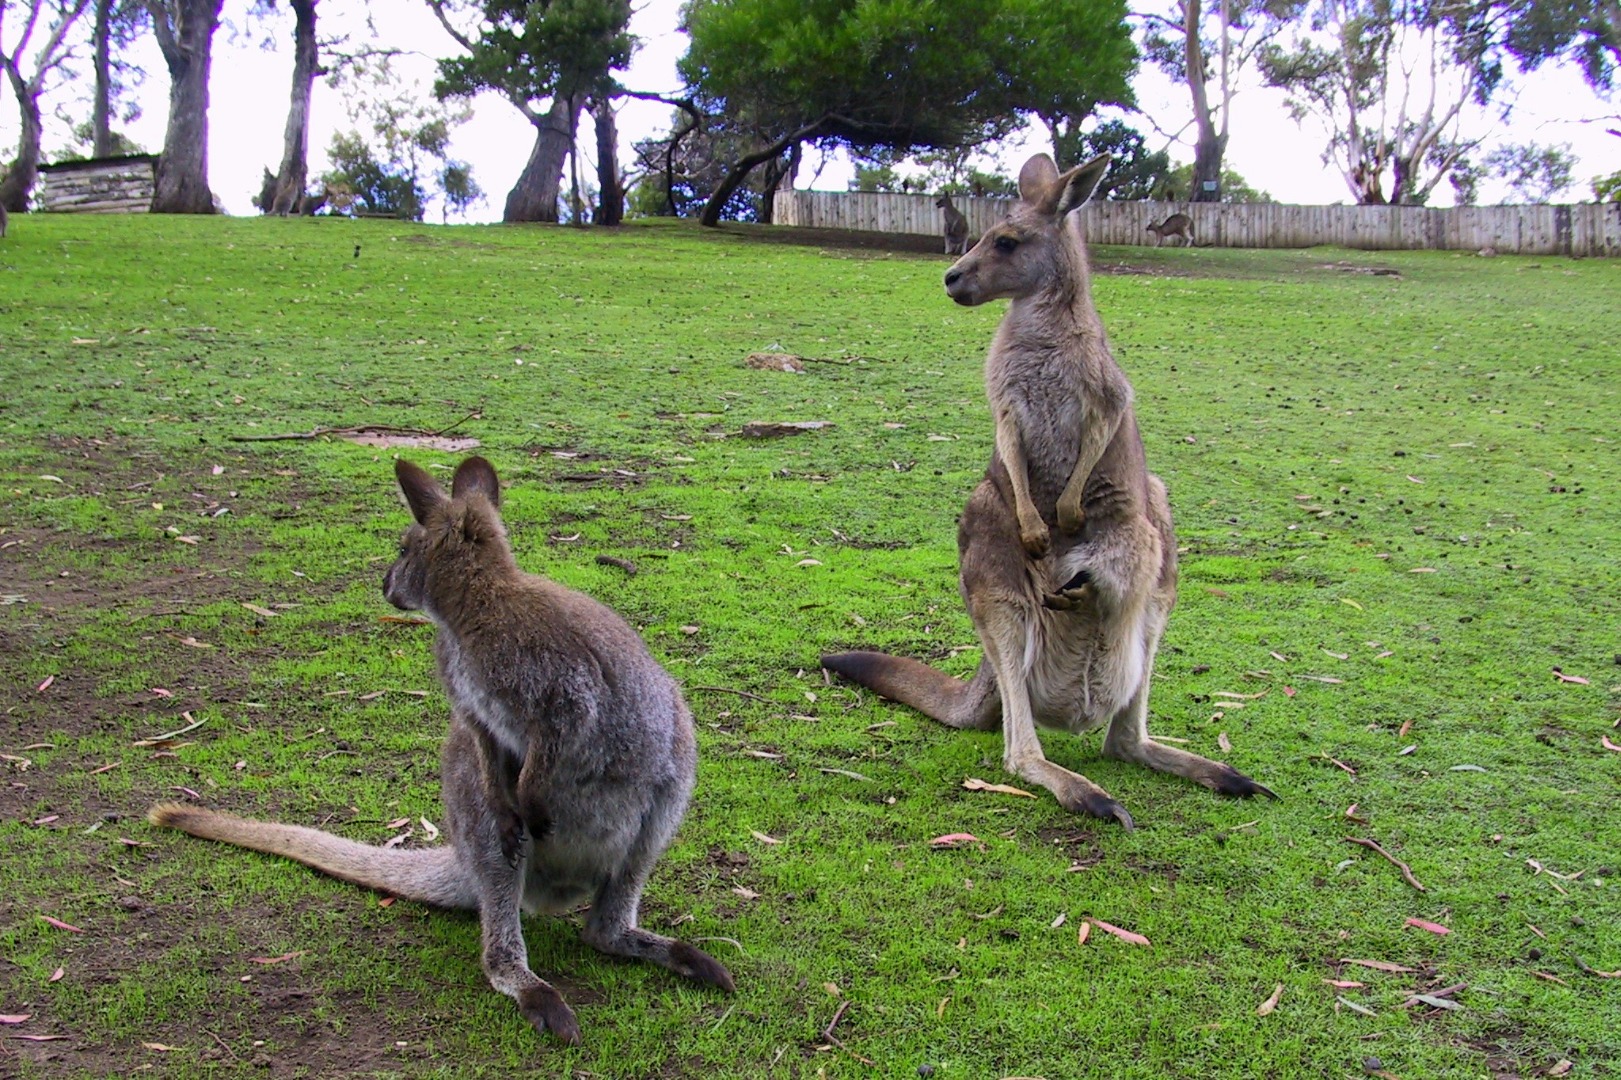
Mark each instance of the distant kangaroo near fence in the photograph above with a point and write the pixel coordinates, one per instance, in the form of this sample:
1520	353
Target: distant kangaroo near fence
1068	561
1175	225
956	226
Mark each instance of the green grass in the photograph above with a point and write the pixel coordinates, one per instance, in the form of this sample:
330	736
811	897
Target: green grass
1325	435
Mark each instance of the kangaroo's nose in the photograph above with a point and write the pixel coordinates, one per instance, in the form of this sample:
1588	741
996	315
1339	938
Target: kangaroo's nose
952	277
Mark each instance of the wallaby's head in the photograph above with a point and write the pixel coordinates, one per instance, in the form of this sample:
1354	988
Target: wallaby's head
453	536
1029	250
943	201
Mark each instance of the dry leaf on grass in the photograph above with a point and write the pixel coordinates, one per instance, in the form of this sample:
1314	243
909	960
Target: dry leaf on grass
1082	932
269	960
1224	742
1060	920
398	823
1570	678
1608	745
429	829
1560	1067
15	1018
56	976
763	838
953	839
1265	1008
262	612
975	784
1352	603
1124	935
1353	1006
46	685
1425	924
1434	1002
39	1038
745	892
60	925
160	1047
1345	984
1289	691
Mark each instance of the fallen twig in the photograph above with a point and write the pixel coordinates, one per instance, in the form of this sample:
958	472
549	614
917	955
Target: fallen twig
1406	871
827	1033
729	690
355	429
193	726
613	560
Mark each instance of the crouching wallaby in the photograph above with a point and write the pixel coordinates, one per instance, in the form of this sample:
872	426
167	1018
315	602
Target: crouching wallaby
568	765
1068	563
956	226
1179	225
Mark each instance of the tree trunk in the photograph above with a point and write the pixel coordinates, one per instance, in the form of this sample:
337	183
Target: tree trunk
779	175
740	172
295	162
610	196
182	179
24	169
1210	146
101	126
1207	156
534	196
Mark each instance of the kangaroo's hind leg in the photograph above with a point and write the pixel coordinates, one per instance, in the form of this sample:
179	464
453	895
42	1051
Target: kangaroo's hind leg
610	926
1128	740
479	829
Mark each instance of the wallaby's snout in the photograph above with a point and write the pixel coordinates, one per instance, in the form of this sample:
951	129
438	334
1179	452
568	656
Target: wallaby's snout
959	284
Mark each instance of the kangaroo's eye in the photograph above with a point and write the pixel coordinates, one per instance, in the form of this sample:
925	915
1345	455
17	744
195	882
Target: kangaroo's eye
1005	244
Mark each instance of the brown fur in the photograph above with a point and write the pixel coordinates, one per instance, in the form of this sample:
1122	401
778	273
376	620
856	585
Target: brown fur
567	769
1068	561
1176	225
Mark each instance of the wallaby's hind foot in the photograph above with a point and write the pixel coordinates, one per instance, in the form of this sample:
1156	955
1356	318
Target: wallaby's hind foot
699	966
544	1007
1226	780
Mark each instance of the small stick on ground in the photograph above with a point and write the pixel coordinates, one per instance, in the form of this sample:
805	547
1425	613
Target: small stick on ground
729	690
381	429
613	560
827	1033
1406	871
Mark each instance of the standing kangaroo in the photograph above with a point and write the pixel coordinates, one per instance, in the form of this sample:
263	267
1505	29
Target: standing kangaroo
568	765
1068	562
1175	225
956	226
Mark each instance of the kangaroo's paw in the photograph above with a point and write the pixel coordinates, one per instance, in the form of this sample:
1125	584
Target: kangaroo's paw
1229	781
1071	519
1096	802
509	826
1073	592
699	966
544	1007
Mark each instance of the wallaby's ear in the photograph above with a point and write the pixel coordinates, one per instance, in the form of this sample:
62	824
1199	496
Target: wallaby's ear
1036	181
1077	185
422	492
476	474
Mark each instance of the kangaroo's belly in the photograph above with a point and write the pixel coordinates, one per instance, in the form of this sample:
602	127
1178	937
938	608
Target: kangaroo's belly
1081	671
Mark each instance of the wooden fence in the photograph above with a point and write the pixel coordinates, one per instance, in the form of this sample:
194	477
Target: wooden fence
1581	229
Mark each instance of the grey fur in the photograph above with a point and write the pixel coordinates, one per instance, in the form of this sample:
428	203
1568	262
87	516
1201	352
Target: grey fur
568	765
1068	561
1176	225
956	226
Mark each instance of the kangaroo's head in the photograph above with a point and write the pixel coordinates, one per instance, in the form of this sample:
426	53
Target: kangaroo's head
1030	249
453	536
943	201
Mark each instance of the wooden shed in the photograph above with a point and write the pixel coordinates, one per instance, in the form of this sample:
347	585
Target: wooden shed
109	185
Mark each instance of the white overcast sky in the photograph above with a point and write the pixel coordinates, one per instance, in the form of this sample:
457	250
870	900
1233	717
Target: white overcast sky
250	86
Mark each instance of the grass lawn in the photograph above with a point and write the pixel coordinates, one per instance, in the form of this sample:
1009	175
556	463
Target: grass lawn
1396	502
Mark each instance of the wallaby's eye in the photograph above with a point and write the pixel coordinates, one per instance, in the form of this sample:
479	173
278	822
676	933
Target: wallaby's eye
1005	244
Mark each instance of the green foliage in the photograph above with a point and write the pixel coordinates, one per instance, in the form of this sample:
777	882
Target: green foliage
1607	188
84	141
530	51
1580	31
1137	172
397	158
1324	435
1234	188
876	178
1534	173
904	74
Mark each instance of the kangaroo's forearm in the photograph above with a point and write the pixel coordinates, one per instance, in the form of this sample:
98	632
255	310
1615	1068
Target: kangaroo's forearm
1095	439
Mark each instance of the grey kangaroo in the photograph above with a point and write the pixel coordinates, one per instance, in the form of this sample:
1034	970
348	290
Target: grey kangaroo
1175	225
1068	562
956	226
568	765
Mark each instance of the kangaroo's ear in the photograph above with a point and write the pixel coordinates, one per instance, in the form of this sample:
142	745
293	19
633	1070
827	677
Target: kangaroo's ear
1036	182
422	492
1077	185
476	474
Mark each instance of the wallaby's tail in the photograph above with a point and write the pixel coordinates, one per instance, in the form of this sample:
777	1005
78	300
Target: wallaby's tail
910	682
427	875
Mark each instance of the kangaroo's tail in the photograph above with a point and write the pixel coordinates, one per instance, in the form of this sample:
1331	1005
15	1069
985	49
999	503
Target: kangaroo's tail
910	682
428	875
